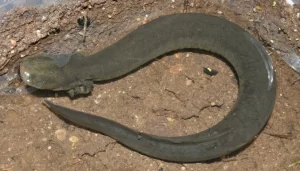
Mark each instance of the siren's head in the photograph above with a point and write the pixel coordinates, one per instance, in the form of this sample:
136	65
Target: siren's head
42	72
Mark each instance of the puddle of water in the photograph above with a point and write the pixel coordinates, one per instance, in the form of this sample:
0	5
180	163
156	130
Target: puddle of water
7	5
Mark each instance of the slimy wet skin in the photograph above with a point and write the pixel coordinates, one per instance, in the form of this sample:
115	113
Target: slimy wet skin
54	72
247	56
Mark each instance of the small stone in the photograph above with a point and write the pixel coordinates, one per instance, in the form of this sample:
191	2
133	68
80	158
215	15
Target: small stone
183	168
44	18
38	33
213	104
109	16
170	119
73	139
145	19
67	36
61	134
259	8
220	12
188	82
13	43
282	20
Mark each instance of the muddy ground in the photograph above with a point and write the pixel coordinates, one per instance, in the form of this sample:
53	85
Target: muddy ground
171	96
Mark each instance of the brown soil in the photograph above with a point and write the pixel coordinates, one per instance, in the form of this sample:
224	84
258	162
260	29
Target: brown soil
171	96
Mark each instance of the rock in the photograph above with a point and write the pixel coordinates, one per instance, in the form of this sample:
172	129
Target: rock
61	134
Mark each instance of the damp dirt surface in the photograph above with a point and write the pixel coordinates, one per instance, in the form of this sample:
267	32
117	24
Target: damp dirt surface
171	96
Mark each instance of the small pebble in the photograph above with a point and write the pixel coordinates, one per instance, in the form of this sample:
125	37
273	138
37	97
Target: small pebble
44	18
67	36
188	82
13	43
170	119
38	33
73	139
61	134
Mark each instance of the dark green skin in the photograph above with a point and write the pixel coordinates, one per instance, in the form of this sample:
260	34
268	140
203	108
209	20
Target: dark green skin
179	31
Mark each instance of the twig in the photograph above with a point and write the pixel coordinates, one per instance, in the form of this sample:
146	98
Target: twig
287	136
85	19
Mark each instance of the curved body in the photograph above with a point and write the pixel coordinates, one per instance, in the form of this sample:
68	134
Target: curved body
179	31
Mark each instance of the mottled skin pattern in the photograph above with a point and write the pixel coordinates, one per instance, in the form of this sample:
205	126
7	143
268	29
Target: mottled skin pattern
179	31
